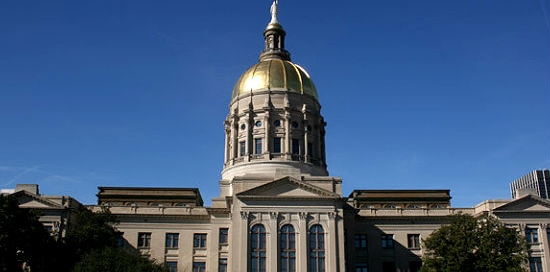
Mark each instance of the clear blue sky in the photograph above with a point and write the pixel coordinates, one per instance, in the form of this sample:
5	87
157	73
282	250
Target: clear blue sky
417	94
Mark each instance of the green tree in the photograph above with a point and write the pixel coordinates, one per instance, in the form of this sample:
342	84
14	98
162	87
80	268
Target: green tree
91	231
112	259
93	242
24	242
468	244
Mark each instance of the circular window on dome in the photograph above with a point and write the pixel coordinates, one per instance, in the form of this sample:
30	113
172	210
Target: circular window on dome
243	127
258	123
295	124
277	123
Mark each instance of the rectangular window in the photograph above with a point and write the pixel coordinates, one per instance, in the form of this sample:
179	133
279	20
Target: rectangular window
172	240
258	146
144	239
360	241
120	241
532	235
295	146
242	148
199	267
361	267
387	240
172	266
222	266
199	240
224	233
276	145
413	241
535	264
309	149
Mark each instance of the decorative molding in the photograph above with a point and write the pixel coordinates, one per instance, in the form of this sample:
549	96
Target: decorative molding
244	215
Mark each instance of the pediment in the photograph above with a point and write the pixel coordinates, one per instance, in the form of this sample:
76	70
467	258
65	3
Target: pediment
287	187
32	201
528	203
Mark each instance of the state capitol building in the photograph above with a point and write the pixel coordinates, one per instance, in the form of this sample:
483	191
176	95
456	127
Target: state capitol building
278	209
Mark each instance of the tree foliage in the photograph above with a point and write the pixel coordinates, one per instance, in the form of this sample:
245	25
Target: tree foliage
92	231
91	244
23	239
112	259
468	244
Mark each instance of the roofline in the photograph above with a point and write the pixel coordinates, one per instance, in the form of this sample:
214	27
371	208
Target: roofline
149	188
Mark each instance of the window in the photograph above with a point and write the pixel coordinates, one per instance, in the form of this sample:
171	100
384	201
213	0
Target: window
172	266
258	146
413	241
535	264
316	249
309	149
144	239
277	123
288	249
276	145
360	241
222	265
120	241
199	240
361	267
258	123
242	148
257	249
295	146
224	233
172	240
199	267
532	235
387	240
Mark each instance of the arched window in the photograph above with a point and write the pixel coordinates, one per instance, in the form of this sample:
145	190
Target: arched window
316	249
287	246
257	249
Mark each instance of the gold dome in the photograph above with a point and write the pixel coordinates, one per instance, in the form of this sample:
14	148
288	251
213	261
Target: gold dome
275	74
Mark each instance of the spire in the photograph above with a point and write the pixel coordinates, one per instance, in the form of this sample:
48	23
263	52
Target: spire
274	10
274	36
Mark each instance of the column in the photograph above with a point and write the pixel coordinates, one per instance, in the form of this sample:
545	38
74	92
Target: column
272	236
302	255
267	142
331	247
287	147
226	150
239	260
545	240
235	132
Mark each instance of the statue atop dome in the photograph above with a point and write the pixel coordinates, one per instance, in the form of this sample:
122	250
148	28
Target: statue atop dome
274	11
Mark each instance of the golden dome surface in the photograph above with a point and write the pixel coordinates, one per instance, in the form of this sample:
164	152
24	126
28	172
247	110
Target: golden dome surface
275	74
